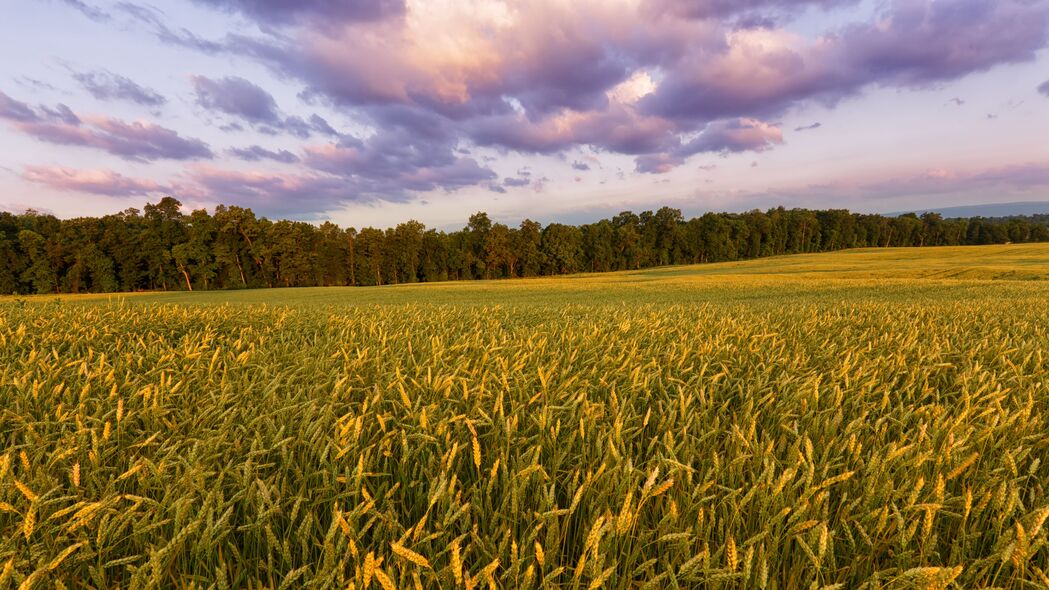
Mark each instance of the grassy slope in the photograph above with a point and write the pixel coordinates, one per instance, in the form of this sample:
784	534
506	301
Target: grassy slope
948	272
837	418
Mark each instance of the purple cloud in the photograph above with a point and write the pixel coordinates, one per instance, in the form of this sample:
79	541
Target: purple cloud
14	110
913	43
90	12
277	12
514	182
724	136
660	81
1044	88
379	168
105	85
735	135
657	163
461	173
303	128
619	129
139	141
268	193
241	98
236	96
256	153
933	41
809	127
154	18
552	81
705	9
98	182
303	193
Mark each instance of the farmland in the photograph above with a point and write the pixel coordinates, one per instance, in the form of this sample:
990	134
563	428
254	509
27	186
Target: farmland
866	418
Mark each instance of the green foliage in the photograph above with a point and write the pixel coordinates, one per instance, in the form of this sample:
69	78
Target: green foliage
163	249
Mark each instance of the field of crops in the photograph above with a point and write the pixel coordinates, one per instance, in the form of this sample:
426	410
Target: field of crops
871	419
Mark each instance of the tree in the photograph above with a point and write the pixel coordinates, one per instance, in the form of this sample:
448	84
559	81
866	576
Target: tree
478	228
39	274
403	246
599	245
11	259
562	248
370	254
164	229
333	255
497	251
527	243
161	248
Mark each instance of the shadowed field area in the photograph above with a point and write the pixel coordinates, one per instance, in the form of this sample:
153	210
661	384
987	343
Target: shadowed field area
869	418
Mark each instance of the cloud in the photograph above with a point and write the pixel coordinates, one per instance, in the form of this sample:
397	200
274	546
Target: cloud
105	85
461	173
138	140
14	110
242	98
723	136
912	43
432	82
735	135
304	128
618	129
314	192
378	169
637	78
657	163
236	96
1044	88
268	193
98	182
1017	182
155	19
90	12
513	182
582	166
277	12
809	127
956	101
256	153
35	84
705	9
19	208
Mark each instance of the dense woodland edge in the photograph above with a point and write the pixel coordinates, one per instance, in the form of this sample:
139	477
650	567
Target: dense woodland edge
160	248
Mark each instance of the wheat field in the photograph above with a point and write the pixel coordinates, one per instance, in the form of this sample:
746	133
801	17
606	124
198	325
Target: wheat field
863	419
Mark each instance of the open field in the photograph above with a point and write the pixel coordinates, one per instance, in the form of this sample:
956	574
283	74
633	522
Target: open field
869	418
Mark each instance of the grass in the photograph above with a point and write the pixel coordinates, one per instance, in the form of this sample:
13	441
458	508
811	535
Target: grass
870	418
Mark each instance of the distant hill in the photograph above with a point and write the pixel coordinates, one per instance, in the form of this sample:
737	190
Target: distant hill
987	210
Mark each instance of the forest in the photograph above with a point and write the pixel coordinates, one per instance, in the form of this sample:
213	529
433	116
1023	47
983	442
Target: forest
161	248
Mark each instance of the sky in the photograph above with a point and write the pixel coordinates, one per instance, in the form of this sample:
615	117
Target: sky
374	112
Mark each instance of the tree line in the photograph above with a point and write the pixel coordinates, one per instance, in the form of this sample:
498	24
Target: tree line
160	248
